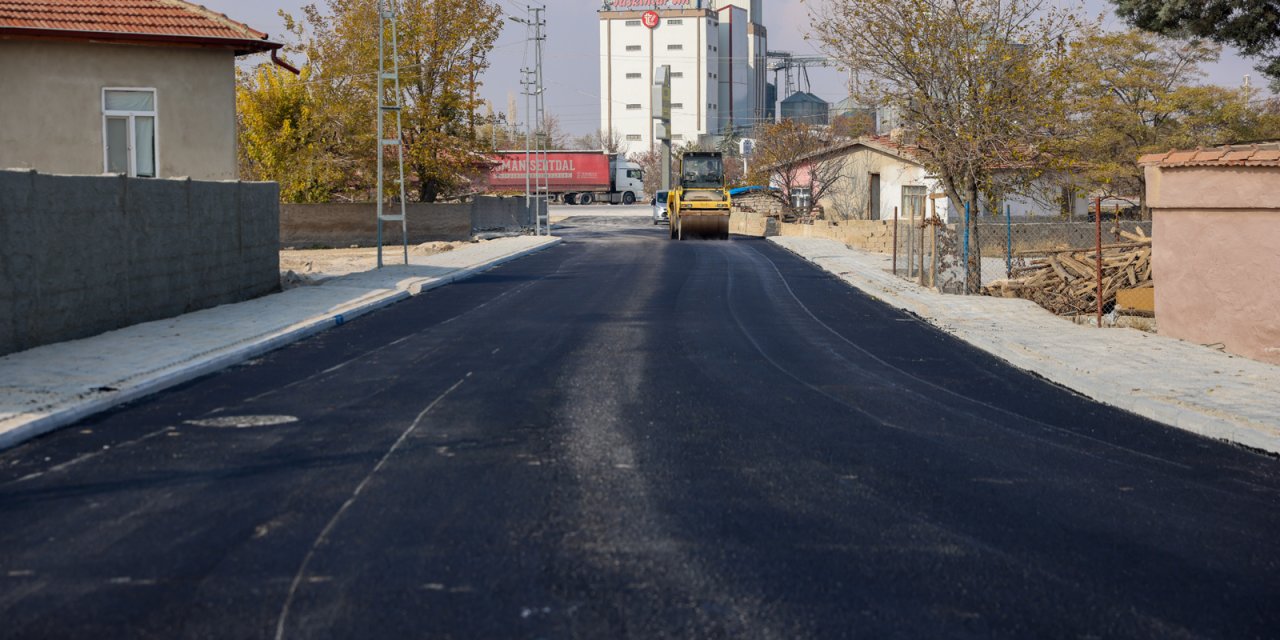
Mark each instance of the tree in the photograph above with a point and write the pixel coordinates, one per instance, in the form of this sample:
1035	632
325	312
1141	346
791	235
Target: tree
856	125
789	155
981	83
1253	26
1138	96
282	137
608	140
444	46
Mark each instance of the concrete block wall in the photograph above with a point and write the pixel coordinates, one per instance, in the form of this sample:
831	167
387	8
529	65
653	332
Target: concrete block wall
868	235
341	225
80	255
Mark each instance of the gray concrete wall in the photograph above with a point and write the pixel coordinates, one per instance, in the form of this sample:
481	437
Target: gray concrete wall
342	225
51	107
80	255
497	215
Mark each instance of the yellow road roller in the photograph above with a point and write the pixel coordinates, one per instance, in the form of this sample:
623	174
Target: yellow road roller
698	205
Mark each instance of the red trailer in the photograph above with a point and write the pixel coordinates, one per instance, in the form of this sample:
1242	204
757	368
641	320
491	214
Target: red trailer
576	177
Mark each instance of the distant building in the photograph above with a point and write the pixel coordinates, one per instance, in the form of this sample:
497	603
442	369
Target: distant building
716	51
143	88
805	107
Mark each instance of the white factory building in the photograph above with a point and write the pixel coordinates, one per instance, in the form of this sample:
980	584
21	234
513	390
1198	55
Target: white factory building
716	49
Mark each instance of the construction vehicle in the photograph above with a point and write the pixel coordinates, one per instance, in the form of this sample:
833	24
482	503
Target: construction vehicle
698	204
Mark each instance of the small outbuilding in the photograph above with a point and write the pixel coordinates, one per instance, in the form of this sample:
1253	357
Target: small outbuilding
144	88
1216	249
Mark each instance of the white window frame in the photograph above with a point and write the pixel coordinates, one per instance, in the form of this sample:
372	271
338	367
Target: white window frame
132	134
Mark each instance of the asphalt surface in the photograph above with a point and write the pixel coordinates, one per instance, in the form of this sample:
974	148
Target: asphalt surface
627	436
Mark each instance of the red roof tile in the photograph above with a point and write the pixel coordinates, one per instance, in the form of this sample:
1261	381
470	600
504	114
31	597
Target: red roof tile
1265	154
151	20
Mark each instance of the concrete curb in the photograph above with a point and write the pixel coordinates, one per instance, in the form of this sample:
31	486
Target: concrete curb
1181	410
19	429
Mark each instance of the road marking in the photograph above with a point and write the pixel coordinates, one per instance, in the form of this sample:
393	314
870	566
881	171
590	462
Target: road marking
355	494
965	398
89	456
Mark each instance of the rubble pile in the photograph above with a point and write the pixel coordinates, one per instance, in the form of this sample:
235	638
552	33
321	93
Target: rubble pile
1066	282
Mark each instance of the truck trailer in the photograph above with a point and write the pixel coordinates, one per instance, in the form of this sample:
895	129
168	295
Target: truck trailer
573	177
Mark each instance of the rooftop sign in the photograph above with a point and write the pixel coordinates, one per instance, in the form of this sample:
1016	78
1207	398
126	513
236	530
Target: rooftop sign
651	5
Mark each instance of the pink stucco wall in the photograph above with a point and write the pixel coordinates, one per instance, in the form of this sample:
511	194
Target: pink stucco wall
1216	256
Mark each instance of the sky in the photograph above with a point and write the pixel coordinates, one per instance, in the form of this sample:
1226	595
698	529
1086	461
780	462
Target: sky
572	52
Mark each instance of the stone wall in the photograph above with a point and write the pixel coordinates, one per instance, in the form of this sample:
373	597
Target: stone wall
868	235
81	255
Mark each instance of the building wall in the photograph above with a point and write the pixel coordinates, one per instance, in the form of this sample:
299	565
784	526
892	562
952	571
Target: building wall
694	97
1214	256
81	255
701	66
735	86
51	105
851	198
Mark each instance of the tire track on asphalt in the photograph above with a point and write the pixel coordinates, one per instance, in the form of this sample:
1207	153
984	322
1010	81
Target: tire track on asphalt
283	618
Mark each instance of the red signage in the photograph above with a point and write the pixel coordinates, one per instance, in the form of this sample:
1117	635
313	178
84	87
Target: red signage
564	170
650	19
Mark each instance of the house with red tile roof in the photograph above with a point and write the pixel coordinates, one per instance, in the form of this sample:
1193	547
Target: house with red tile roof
144	88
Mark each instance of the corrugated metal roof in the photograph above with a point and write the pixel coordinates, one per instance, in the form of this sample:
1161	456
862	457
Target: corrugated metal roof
1264	154
157	19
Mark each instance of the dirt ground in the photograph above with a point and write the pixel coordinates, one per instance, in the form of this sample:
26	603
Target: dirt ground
306	267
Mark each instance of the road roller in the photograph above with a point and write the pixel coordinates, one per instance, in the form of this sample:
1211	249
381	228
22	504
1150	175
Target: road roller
698	205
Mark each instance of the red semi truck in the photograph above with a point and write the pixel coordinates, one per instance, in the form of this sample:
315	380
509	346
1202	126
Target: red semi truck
574	177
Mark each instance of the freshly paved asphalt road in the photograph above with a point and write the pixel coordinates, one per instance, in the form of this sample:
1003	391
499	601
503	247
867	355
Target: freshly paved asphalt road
626	436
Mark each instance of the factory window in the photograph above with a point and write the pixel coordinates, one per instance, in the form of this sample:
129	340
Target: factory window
678	136
633	23
633	47
677	74
632	137
677	105
675	47
633	76
675	23
633	106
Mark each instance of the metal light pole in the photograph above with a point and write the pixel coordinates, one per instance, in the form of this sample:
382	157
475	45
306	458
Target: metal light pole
387	14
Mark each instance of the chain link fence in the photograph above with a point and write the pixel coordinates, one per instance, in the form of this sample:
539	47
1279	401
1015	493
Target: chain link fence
933	253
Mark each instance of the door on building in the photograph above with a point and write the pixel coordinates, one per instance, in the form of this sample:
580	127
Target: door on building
873	207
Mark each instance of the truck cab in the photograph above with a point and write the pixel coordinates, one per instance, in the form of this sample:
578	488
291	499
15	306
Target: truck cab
628	181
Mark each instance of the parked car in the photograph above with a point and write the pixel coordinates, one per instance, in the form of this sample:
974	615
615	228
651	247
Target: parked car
659	203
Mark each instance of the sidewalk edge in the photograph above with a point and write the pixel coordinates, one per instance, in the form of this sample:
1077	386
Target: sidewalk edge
170	376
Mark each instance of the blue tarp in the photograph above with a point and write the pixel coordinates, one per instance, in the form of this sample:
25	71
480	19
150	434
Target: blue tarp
741	190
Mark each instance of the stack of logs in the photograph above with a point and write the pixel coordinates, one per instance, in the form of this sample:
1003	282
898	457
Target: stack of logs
1066	282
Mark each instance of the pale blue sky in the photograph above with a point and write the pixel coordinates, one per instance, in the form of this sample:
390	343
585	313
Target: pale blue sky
572	52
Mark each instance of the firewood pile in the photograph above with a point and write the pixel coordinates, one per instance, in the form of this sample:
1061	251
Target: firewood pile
1066	282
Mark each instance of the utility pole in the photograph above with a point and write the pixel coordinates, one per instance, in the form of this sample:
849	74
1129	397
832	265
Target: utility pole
662	119
537	183
391	72
1247	90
